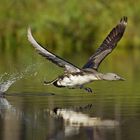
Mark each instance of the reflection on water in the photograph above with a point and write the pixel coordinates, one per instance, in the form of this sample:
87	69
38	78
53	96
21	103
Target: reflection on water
71	125
4	104
74	120
78	119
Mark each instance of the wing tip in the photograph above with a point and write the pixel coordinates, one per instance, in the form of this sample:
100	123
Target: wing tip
30	37
29	34
124	20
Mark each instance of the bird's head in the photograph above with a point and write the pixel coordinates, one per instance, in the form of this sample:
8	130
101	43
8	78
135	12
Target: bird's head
112	77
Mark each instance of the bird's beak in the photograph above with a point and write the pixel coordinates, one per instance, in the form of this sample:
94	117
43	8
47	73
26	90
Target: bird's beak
122	79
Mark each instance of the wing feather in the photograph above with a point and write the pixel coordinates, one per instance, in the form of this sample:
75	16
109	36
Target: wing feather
50	56
108	45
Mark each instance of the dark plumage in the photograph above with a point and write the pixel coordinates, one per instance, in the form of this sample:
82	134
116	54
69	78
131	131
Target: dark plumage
107	46
77	77
50	56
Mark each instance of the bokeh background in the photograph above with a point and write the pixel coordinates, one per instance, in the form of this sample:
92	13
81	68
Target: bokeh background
66	26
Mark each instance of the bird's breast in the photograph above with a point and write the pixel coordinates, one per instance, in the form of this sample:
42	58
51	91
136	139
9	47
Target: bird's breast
76	80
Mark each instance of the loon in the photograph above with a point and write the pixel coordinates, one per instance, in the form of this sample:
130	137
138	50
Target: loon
75	77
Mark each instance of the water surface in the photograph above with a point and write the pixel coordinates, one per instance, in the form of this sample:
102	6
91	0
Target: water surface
111	113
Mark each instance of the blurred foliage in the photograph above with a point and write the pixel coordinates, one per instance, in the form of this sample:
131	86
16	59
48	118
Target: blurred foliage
67	25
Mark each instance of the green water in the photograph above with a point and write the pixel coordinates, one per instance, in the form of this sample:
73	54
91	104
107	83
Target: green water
26	116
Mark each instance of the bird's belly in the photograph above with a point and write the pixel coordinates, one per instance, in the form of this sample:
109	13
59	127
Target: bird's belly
76	80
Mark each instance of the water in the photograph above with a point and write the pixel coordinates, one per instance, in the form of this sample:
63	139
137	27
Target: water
32	111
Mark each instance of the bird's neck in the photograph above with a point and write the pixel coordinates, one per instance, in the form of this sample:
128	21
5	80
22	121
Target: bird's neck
105	77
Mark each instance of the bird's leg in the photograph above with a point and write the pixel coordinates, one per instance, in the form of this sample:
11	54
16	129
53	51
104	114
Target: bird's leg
49	82
86	88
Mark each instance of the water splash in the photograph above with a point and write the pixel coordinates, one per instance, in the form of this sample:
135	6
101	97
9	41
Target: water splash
6	80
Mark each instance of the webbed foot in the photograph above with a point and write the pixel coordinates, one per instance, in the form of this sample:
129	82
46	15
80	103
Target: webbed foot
86	89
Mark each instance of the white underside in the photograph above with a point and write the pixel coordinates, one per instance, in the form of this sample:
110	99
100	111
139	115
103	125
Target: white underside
77	80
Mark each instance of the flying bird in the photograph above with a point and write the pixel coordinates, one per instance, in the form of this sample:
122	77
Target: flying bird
75	77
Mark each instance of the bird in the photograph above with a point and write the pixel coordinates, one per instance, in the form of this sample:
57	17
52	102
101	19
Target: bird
75	77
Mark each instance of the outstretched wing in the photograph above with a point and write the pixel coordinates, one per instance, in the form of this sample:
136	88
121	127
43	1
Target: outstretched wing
108	45
50	56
